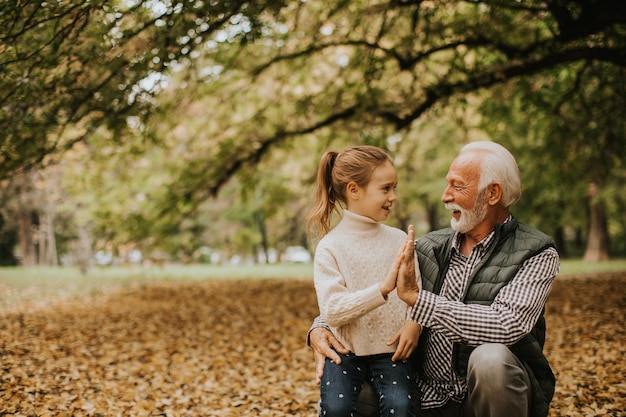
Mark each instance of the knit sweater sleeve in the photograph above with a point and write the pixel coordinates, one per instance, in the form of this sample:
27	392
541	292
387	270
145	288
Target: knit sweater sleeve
338	305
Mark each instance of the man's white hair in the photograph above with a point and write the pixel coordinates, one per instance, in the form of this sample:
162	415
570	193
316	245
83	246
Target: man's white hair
497	165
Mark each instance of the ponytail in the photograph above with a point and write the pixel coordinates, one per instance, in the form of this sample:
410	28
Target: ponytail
325	196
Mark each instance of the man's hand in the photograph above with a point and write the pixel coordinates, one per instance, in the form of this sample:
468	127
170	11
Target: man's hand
324	345
407	338
408	290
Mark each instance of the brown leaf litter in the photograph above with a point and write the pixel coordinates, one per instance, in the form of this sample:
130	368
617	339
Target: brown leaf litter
237	348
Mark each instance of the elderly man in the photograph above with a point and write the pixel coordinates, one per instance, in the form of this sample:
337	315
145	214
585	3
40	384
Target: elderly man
485	283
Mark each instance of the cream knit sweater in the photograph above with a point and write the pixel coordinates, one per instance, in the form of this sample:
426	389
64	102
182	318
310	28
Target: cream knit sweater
349	263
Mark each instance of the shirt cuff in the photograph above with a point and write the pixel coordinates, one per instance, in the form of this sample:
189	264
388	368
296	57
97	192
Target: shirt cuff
317	323
424	308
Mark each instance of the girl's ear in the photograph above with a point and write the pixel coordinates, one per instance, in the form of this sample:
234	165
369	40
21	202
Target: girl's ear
352	189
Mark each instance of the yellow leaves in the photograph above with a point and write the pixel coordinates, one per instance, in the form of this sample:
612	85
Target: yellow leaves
230	348
585	345
237	348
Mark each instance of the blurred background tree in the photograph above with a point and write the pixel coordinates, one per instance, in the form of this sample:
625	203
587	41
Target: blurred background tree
184	128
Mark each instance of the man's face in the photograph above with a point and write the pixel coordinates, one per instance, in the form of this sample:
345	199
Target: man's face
469	206
468	219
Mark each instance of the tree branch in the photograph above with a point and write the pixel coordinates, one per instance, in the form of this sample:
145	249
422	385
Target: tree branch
475	82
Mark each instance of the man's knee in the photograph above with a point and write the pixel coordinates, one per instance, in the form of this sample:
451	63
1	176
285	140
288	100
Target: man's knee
491	362
497	381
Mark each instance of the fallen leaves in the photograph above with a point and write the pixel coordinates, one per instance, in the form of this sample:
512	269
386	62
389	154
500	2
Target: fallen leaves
237	348
229	348
585	345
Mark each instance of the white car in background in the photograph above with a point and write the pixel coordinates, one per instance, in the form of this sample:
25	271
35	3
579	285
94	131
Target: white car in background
296	254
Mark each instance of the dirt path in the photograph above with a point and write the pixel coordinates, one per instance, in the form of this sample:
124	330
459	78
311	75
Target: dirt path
236	348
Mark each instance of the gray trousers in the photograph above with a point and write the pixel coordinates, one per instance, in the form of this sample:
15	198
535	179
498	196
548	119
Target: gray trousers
498	386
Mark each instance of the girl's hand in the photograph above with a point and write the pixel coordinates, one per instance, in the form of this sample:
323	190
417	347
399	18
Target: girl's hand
389	282
407	338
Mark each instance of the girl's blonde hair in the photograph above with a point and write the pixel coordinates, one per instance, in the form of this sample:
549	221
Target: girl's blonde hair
336	170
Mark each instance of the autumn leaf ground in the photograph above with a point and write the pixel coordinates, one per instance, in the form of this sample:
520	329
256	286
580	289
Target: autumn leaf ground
237	348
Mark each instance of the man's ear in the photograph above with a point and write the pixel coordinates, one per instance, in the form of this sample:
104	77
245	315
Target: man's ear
352	190
494	193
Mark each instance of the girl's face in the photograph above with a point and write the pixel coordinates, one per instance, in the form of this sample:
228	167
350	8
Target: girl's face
375	200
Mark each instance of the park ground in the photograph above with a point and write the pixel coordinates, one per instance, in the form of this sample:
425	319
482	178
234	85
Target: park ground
236	347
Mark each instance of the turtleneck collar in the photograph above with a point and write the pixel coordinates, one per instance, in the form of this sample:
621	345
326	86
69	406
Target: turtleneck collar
358	223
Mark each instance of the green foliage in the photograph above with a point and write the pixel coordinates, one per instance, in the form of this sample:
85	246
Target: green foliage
365	71
191	124
69	67
568	126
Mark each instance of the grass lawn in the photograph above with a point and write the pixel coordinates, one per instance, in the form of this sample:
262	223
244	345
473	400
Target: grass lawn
40	286
578	266
46	282
20	283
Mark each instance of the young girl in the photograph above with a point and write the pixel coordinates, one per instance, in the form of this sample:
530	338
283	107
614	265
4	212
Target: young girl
355	269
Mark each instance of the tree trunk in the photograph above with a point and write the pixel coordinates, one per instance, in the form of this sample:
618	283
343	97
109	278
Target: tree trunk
41	258
598	237
25	223
83	250
53	257
559	239
25	234
47	240
260	221
432	212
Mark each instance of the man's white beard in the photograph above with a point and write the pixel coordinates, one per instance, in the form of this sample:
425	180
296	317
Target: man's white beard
469	219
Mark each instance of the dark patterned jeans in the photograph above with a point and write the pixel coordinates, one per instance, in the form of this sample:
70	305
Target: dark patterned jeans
394	383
